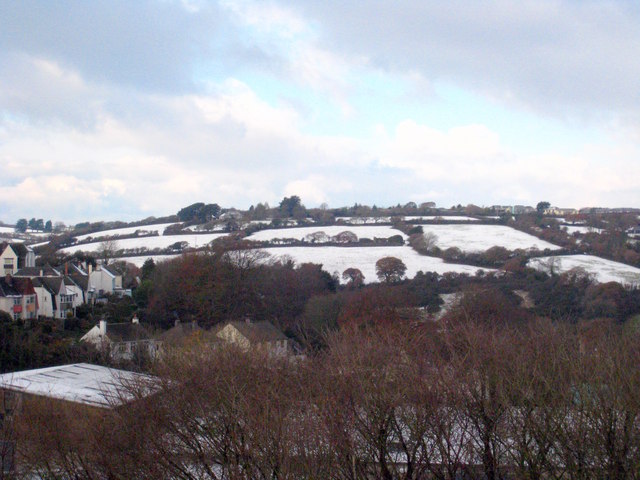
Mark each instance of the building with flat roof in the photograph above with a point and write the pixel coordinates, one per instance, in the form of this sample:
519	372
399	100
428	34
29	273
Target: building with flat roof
81	383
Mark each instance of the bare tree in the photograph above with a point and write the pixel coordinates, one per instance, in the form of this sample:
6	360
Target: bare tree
107	251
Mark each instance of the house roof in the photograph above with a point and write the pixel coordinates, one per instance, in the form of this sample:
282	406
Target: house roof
68	281
8	289
80	383
107	270
179	331
47	271
53	284
77	269
127	332
259	332
24	286
4	246
81	280
19	249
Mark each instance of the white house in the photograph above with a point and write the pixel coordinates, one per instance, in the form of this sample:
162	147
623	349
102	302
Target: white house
104	281
14	256
9	261
57	296
123	340
18	298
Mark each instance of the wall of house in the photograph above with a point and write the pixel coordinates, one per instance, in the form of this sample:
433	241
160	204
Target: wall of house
231	335
8	261
76	291
93	336
45	302
101	280
26	303
278	348
30	258
29	307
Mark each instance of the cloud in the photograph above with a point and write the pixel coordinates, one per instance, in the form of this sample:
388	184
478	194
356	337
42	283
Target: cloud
469	162
559	57
130	109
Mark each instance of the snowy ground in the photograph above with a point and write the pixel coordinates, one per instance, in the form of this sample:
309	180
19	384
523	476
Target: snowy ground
602	269
4	229
571	229
450	218
363	220
139	261
338	259
126	231
407	218
478	238
150	242
300	233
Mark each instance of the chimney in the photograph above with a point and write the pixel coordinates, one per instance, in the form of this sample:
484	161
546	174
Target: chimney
41	272
135	319
103	327
247	320
176	322
8	279
66	269
90	268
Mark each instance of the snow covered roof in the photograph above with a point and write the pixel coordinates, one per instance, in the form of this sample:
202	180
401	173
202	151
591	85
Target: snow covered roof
81	383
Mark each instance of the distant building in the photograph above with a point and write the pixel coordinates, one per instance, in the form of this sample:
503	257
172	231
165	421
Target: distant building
58	297
522	209
79	385
122	340
250	335
104	281
18	298
555	211
14	256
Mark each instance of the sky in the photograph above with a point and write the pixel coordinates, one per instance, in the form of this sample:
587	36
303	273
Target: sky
123	110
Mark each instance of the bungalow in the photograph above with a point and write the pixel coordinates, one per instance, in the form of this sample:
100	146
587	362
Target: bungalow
83	387
123	340
255	335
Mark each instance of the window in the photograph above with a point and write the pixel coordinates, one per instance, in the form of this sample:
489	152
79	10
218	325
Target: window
30	300
17	301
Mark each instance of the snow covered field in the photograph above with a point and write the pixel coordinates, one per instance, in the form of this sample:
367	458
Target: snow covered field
478	238
571	229
149	242
407	218
602	269
139	261
338	259
451	218
126	231
299	233
4	229
363	220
